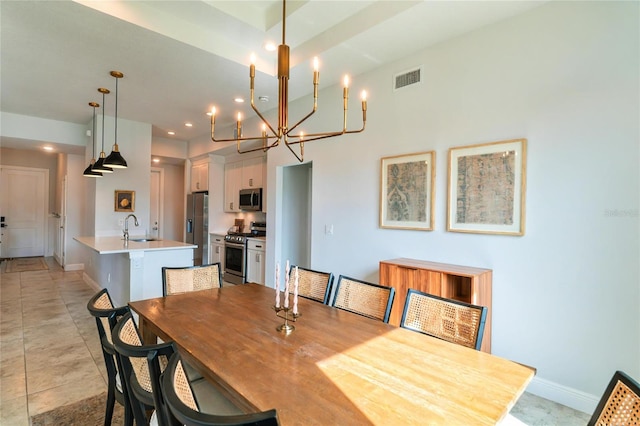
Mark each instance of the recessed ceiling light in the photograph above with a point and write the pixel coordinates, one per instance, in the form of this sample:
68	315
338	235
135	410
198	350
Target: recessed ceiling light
188	124
263	98
47	148
156	160
238	100
171	133
270	46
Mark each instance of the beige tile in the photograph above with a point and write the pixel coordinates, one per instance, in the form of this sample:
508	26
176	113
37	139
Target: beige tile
12	365
51	398
11	349
76	372
13	412
59	354
13	386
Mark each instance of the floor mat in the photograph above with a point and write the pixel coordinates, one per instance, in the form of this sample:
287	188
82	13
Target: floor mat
87	412
23	264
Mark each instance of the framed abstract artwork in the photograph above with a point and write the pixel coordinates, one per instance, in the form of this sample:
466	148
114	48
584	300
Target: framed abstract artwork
407	191
486	188
125	201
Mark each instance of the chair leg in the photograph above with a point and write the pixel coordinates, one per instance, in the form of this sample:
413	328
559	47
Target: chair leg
111	400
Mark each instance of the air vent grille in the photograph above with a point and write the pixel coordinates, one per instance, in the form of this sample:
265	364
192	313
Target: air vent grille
407	78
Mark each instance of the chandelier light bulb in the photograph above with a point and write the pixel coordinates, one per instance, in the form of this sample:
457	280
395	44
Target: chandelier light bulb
346	81
364	96
315	63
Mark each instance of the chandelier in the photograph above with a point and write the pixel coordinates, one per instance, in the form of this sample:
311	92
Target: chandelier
271	136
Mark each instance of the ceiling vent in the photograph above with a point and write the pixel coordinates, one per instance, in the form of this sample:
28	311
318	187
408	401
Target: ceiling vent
407	78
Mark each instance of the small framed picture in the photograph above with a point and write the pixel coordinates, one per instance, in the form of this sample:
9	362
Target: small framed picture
487	188
407	191
125	201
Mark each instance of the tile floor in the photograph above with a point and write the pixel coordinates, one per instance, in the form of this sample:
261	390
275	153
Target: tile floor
50	354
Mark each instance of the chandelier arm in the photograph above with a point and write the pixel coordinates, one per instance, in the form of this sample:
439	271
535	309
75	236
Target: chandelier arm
265	121
264	146
298	142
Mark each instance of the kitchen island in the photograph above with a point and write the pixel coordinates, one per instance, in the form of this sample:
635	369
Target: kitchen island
131	270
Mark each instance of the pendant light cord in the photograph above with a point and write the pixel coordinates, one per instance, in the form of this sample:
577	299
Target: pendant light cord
115	141
103	121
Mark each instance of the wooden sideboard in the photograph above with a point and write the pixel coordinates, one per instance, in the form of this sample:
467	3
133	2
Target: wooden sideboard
464	283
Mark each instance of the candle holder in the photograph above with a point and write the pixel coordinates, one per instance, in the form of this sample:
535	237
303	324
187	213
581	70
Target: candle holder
286	328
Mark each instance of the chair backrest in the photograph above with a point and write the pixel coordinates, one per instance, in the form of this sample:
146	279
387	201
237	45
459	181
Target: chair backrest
177	280
620	403
101	307
314	285
183	408
364	298
446	319
142	366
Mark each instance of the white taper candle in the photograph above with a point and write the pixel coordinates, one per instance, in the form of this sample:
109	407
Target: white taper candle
286	286
295	292
277	284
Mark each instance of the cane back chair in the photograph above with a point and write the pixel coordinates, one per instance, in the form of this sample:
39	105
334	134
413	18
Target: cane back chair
314	285
363	298
620	403
191	278
101	307
447	319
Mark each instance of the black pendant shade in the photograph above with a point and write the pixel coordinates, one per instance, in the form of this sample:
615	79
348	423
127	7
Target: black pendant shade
89	172
115	159
99	165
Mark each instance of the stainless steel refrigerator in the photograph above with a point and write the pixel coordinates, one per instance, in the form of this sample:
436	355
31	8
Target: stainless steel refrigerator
198	226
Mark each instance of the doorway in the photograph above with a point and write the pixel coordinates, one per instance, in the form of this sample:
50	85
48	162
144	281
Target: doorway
296	214
24	202
156	210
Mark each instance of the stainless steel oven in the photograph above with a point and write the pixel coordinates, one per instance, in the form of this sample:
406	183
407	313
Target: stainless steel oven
235	259
235	252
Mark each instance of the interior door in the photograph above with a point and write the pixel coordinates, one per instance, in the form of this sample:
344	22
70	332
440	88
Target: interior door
156	208
23	202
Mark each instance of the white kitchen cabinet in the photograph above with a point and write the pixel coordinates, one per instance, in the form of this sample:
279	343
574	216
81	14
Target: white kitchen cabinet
232	181
252	173
255	260
244	174
200	177
216	250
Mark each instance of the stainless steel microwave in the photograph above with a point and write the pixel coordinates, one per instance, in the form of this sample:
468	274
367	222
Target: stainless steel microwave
251	199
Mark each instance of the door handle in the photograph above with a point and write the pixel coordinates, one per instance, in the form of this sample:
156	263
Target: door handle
189	226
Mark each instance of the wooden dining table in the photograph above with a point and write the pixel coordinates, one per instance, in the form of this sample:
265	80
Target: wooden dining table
335	368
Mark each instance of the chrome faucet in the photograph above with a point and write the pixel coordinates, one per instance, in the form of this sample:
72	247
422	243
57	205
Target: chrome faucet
126	225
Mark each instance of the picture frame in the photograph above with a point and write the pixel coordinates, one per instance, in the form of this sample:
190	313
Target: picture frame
486	188
407	191
125	200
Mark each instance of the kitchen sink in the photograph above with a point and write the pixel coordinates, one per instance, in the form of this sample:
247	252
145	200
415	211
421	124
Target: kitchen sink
142	240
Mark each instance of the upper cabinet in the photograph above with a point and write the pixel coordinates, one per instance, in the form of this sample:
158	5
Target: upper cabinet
200	177
252	170
232	182
244	174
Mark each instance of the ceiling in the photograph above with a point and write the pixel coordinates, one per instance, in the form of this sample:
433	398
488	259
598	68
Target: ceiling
180	58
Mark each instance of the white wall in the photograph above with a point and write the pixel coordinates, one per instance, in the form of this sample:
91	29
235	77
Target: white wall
134	141
564	76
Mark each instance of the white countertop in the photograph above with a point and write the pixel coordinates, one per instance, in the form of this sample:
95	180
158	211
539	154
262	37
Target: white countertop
107	245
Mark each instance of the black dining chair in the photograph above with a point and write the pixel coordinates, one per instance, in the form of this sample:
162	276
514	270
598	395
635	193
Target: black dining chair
184	407
101	307
620	403
314	285
141	366
446	319
363	298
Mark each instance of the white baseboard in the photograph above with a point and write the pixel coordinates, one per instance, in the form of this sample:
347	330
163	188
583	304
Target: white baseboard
564	395
87	279
74	267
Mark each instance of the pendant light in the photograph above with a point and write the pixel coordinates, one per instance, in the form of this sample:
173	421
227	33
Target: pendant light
88	172
100	166
115	159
